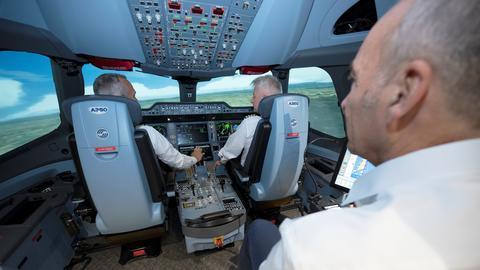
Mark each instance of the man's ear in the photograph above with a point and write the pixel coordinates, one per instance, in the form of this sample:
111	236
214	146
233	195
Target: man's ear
411	87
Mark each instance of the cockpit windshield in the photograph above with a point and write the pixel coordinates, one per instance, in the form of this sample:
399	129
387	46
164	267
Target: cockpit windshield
149	88
235	90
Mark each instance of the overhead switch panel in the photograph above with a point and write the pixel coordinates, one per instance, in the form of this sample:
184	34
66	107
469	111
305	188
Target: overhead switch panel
191	35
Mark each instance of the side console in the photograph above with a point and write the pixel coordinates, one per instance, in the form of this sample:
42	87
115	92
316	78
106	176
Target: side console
37	227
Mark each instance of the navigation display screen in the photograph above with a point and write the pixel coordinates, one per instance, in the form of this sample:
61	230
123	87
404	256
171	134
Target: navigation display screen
350	168
192	133
224	129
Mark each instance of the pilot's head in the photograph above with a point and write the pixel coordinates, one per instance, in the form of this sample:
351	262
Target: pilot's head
415	80
264	86
115	85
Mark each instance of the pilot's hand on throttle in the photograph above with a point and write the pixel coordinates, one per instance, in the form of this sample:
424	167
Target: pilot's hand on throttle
218	163
197	153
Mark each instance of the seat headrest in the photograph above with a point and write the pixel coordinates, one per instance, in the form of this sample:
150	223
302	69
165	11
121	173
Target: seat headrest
132	105
266	104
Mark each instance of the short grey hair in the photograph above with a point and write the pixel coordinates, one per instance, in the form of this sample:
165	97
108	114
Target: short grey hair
268	83
110	84
445	33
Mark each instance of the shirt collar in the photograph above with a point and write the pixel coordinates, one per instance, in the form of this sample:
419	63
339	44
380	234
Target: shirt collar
446	159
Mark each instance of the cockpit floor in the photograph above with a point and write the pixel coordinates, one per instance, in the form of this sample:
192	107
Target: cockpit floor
173	256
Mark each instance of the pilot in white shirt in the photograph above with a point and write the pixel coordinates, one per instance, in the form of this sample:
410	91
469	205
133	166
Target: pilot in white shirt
418	211
118	85
167	153
241	139
412	111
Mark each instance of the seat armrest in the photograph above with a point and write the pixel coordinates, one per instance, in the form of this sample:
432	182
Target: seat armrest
242	176
170	185
239	170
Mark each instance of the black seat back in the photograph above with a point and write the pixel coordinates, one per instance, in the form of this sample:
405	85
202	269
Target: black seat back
255	157
153	171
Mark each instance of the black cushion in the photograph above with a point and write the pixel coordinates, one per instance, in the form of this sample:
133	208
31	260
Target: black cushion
256	155
154	174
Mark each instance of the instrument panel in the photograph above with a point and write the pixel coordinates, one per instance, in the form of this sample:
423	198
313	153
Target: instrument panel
188	125
209	135
175	108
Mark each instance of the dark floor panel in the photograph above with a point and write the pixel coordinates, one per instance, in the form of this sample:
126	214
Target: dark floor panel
174	256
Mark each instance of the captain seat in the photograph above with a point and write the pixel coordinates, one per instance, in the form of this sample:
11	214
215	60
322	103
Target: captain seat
275	158
117	162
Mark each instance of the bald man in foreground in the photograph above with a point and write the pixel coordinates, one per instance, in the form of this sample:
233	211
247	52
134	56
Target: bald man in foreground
414	112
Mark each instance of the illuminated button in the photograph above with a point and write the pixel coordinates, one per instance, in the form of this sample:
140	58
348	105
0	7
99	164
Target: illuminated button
139	16
158	17
176	18
174	4
214	22
218	10
200	52
149	18
196	9
234	47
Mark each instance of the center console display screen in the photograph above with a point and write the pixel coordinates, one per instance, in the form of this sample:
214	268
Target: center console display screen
192	133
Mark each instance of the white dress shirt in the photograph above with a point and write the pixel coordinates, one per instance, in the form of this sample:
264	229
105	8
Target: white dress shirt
165	150
240	140
417	211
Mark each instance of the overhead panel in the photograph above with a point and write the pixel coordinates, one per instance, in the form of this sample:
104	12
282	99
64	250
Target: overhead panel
275	32
192	36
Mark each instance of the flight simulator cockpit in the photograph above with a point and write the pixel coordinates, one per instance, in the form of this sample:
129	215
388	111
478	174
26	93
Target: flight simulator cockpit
86	184
209	207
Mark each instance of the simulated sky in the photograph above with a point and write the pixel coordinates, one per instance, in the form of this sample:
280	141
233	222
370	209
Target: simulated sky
27	88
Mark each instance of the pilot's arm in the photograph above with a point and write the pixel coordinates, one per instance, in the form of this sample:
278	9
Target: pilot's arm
167	153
